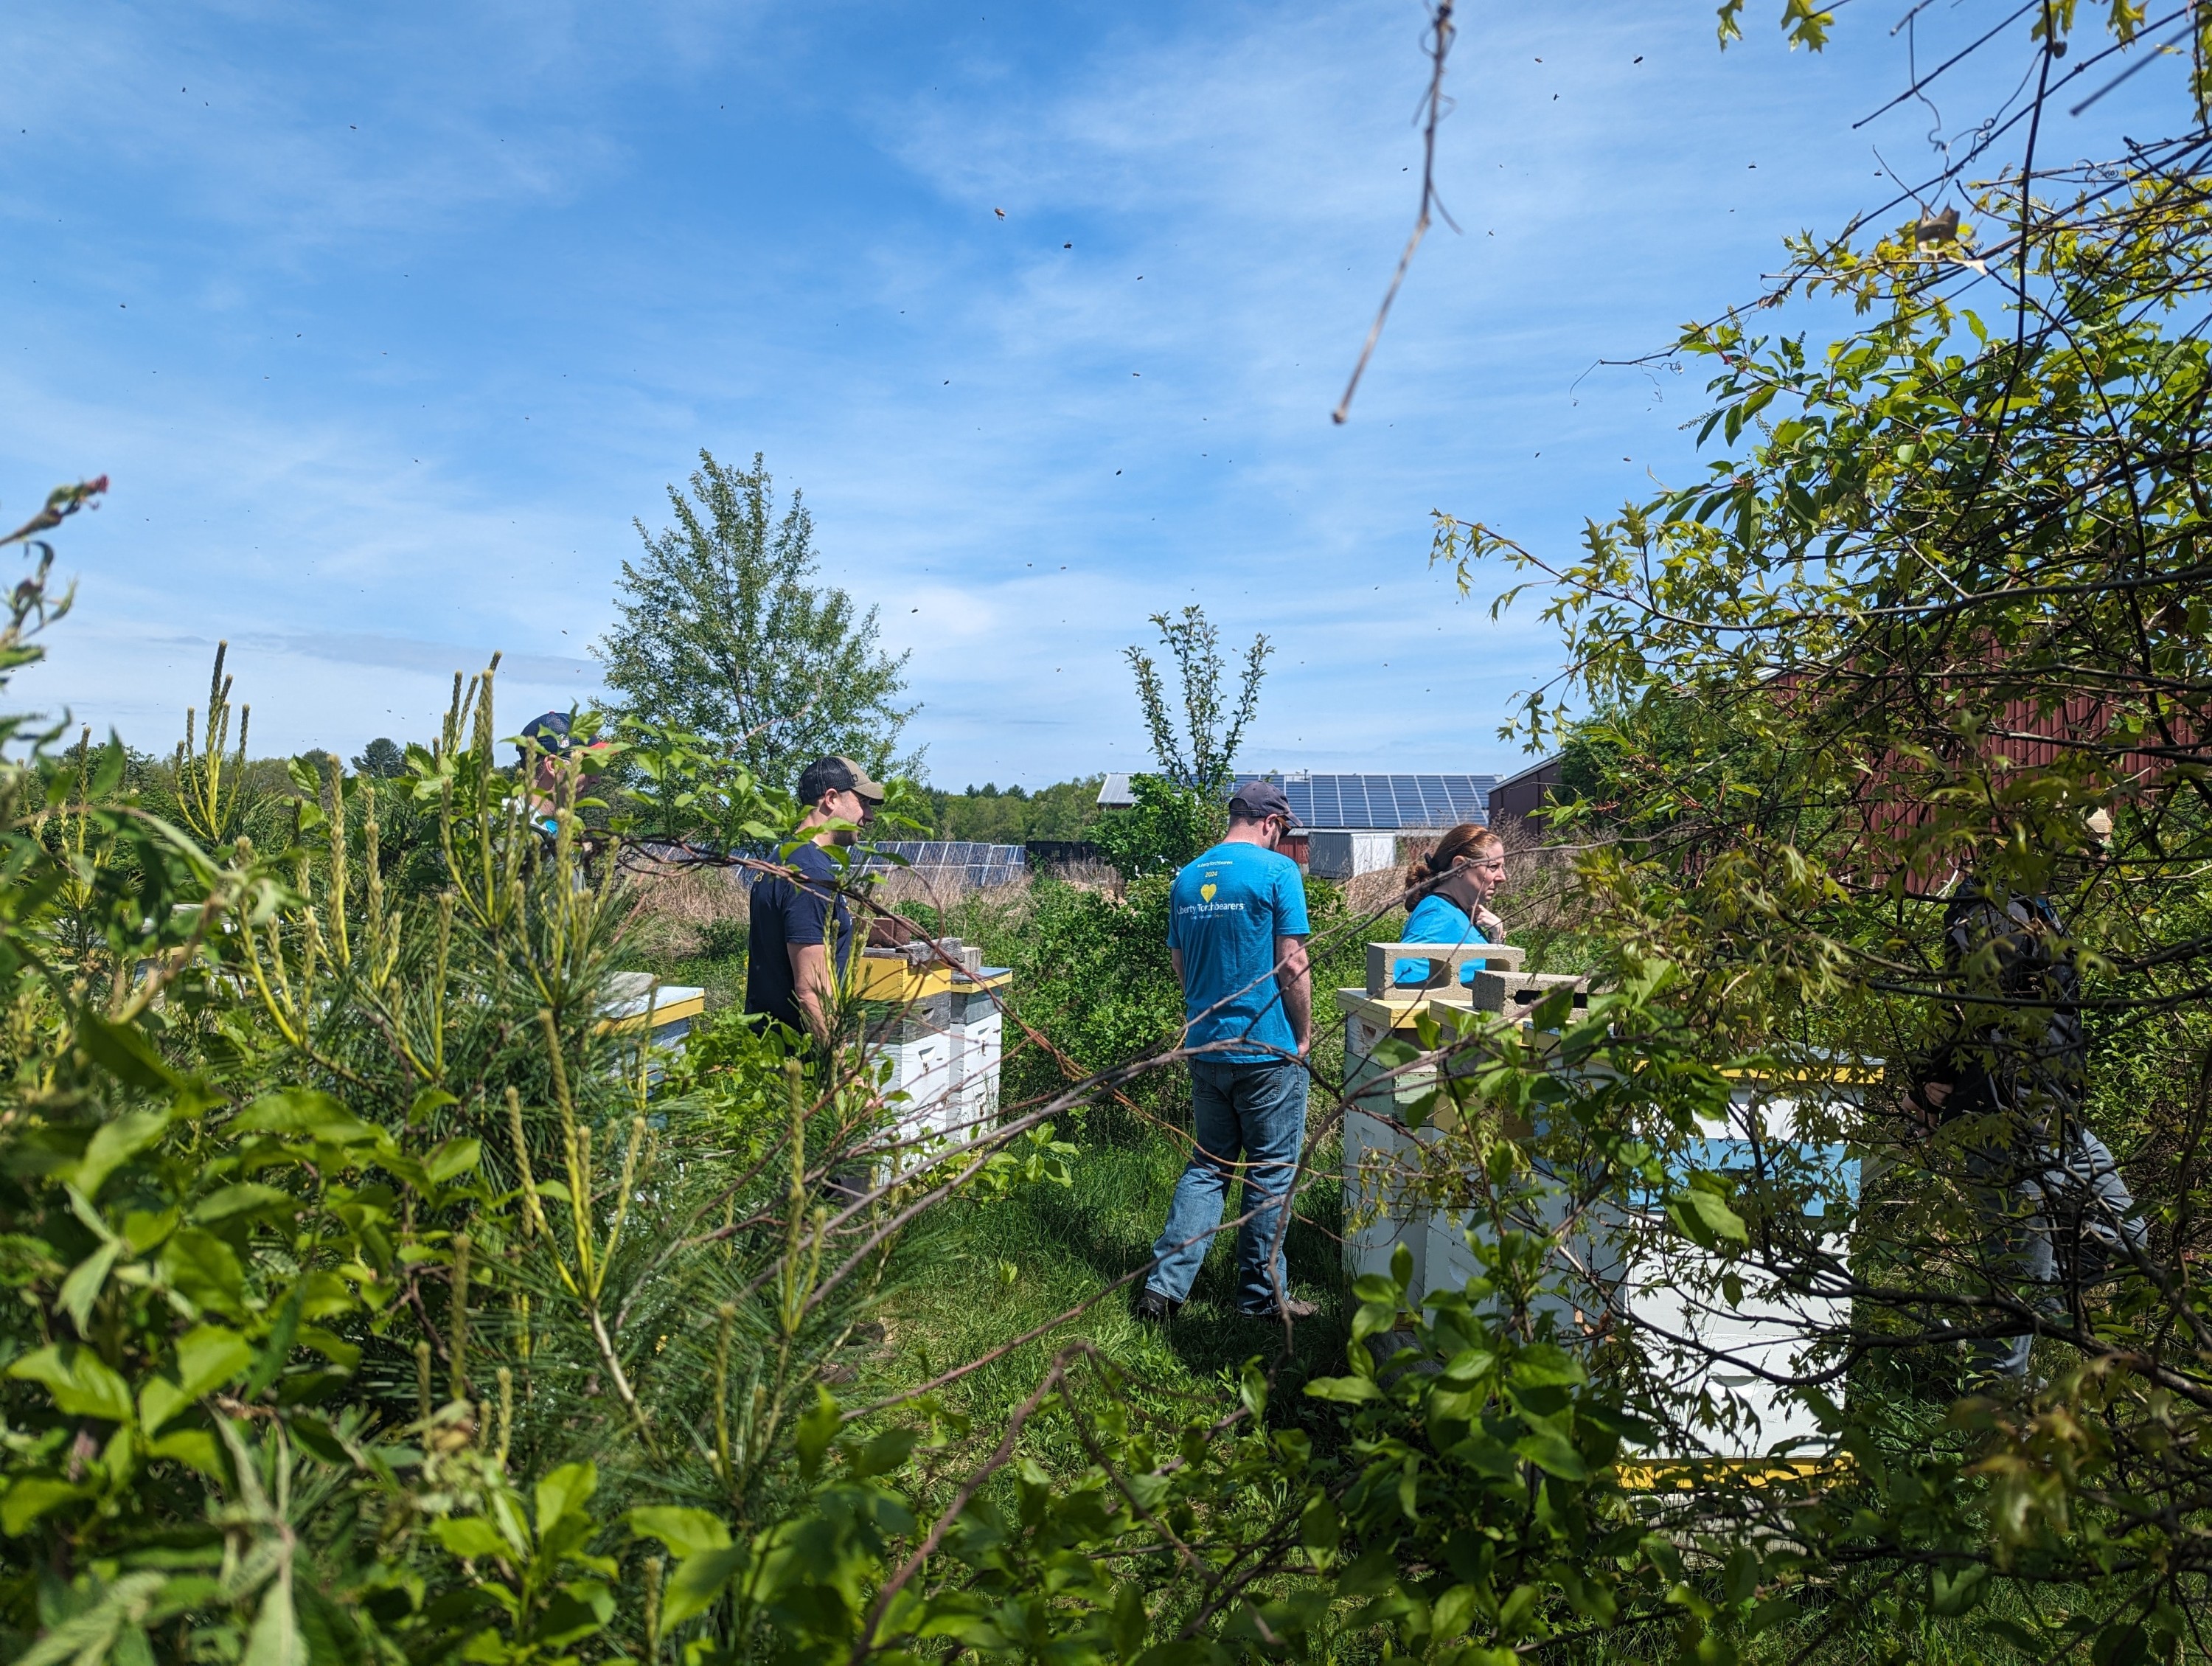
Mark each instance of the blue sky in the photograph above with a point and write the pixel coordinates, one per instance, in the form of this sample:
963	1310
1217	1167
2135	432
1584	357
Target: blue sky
387	321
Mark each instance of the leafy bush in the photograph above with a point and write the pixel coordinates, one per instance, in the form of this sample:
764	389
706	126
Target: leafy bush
1167	826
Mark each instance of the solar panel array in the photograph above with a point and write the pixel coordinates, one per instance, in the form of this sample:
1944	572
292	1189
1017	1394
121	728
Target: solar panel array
1384	802
962	861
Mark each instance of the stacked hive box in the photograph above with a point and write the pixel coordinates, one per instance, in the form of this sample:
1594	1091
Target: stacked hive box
1621	1260
662	1013
931	1023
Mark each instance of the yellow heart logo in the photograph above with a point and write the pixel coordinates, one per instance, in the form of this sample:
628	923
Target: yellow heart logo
1206	893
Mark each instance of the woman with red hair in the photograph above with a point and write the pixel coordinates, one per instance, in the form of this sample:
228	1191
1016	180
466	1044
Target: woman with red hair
1450	890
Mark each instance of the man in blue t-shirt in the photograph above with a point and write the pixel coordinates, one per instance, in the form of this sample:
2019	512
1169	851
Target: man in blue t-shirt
797	917
1237	930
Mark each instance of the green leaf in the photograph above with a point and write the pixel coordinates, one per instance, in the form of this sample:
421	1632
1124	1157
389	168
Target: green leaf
2120	1644
112	1144
470	1537
1706	1217
814	1432
581	1607
1545	1365
1454	1612
1954	1593
87	1637
454	1157
82	1287
146	1231
1345	1390
1374	1572
31	1497
1319	1526
246	1197
125	1053
1373	1288
276	1640
1515	1612
207	1356
685	1532
195	1448
884	1453
698	1581
1554	1453
1469	1365
82	1383
276	1346
566	1489
300	1111
204	1270
428	1100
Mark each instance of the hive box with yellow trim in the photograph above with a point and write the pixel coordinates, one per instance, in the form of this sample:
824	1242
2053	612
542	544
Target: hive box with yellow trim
933	1025
662	1013
1620	1263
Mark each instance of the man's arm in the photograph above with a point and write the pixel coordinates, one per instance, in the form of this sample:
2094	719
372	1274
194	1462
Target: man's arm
811	988
1176	954
1294	979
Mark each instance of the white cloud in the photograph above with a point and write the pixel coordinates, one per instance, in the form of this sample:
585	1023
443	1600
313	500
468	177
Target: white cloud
384	345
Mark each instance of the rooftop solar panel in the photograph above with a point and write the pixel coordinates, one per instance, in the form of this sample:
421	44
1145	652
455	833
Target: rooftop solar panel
1385	802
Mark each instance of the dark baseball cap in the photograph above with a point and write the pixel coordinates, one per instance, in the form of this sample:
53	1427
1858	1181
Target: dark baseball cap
551	731
1255	800
836	775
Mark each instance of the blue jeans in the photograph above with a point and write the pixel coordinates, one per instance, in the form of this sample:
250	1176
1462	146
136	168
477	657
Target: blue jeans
1257	1111
2026	1207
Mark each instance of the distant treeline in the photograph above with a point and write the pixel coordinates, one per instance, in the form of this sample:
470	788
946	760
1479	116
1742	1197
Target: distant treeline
987	814
1065	810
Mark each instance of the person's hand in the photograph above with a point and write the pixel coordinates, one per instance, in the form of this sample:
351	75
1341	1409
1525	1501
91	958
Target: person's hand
1492	927
1927	1102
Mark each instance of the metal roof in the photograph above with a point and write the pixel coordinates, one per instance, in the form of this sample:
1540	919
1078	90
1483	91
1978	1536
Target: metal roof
1384	802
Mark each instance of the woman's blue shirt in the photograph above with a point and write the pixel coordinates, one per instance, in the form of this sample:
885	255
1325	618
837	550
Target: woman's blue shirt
1437	919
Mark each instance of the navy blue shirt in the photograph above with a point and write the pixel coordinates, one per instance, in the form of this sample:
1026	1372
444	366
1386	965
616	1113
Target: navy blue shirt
787	911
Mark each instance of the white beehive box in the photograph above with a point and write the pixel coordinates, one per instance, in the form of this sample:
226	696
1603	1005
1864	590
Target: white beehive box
1623	1264
663	1013
935	1030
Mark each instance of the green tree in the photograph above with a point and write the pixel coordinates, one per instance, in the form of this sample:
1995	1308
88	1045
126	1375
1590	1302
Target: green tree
1169	824
727	629
382	758
1937	611
1202	757
1065	810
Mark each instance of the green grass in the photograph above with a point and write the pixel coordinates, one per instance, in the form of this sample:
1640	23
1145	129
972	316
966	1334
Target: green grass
996	1270
722	978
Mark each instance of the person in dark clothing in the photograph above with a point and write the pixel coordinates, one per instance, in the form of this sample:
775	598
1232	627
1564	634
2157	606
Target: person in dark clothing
2047	1188
801	934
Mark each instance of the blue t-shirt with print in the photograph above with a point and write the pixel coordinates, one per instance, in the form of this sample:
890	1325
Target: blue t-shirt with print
1224	913
1437	919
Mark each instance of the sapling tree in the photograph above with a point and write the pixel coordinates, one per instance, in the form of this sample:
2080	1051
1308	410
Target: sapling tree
1201	757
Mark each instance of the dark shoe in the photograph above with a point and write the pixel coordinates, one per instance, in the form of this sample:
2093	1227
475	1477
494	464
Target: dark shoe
1154	1308
1292	1308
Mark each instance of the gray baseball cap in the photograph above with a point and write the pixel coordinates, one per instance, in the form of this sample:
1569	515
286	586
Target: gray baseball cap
1257	799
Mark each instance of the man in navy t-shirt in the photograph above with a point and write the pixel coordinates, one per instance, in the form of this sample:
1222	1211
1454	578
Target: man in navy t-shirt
1237	930
789	974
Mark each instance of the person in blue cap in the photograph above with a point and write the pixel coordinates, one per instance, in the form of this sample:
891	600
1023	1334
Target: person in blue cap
1454	883
1237	932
